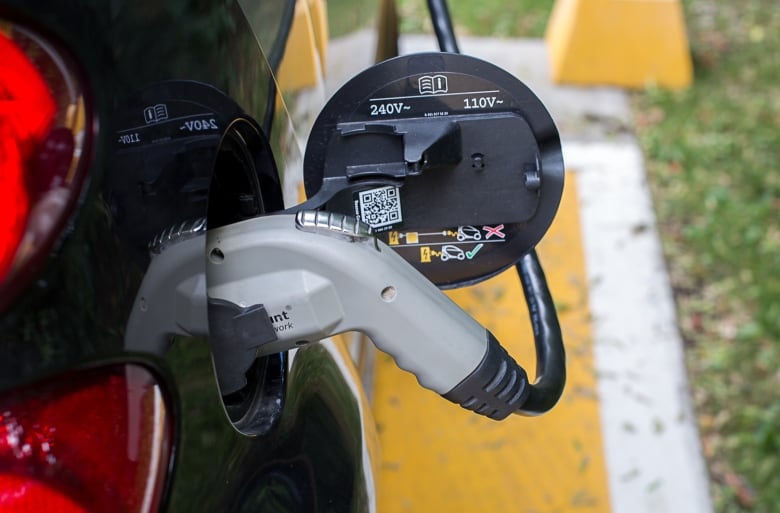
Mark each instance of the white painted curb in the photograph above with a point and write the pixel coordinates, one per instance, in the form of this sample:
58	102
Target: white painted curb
653	452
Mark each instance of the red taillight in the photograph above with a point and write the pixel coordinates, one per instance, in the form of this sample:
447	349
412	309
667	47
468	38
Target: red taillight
43	131
20	495
94	441
26	113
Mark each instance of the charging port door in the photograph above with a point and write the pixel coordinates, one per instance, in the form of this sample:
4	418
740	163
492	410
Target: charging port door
451	160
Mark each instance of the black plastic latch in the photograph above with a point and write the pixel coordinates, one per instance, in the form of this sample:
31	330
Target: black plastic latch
425	144
448	166
235	333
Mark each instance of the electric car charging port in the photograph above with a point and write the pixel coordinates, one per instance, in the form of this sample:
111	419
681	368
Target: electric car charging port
245	185
244	182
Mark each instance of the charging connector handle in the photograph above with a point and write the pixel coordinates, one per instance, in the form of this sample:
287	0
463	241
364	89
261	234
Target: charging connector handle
318	274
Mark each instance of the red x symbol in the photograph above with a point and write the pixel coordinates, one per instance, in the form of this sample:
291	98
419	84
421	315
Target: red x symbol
490	231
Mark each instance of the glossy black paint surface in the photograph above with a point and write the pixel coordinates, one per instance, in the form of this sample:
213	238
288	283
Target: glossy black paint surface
78	305
310	461
75	310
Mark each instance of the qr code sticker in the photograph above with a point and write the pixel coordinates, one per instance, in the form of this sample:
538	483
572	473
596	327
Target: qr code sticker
380	207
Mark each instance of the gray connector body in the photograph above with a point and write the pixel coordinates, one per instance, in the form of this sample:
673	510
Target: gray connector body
172	297
270	284
320	279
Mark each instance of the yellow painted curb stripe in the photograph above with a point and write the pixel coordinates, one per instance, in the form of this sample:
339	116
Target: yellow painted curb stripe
436	456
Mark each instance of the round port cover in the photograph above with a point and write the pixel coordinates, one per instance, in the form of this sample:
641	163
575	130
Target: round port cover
452	161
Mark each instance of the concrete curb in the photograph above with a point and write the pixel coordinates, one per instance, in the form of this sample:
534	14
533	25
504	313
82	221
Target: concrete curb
652	447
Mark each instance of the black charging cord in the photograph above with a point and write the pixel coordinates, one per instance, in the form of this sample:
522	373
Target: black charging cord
442	25
548	339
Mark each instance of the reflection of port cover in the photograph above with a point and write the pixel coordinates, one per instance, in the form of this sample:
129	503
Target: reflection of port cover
170	140
454	161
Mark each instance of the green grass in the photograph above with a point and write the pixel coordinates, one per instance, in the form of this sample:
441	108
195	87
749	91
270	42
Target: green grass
712	157
345	15
497	18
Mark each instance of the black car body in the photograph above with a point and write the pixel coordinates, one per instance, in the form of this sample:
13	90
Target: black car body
163	115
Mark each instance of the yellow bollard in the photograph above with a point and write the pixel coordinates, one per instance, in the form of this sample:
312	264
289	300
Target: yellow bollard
304	57
628	43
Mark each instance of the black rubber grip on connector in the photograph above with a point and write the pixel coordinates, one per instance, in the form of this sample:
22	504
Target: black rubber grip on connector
496	388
